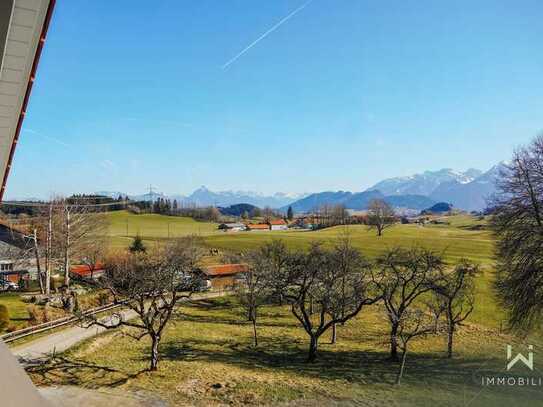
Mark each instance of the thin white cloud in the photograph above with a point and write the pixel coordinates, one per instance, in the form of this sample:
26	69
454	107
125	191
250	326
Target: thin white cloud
108	164
275	27
53	139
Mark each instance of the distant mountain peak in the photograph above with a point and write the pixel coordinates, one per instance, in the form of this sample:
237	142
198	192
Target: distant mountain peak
424	183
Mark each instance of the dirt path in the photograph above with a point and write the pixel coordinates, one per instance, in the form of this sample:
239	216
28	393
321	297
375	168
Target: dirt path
69	396
43	347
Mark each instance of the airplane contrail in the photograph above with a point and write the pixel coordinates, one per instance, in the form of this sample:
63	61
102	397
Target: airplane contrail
275	27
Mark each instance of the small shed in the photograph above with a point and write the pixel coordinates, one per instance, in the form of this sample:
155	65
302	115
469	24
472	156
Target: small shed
258	226
232	227
278	224
224	276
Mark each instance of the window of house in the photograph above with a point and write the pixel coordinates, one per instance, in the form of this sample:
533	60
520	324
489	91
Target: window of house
6	267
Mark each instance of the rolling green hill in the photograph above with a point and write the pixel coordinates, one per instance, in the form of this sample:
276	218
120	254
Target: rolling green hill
463	236
123	226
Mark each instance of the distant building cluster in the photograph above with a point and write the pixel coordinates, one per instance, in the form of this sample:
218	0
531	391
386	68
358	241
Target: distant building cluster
277	224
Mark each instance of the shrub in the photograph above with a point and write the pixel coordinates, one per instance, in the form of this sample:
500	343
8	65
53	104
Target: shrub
103	298
34	317
46	314
4	317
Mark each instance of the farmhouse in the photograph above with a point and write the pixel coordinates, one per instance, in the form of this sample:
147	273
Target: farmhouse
223	276
278	224
258	226
88	271
232	227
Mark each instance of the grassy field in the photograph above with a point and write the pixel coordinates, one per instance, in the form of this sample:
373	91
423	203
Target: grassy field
123	226
457	240
207	360
16	307
465	236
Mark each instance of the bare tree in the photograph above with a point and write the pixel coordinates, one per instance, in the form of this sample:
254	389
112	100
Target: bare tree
337	293
413	324
402	276
456	293
517	222
254	288
79	226
151	284
93	253
380	215
41	237
277	260
268	214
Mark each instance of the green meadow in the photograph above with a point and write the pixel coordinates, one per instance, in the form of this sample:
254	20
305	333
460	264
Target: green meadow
208	360
464	237
123	226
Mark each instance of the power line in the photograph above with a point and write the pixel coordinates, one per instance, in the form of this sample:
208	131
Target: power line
46	204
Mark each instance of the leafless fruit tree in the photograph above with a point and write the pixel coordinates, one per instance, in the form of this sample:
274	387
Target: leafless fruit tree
414	323
316	279
402	276
455	291
151	284
380	215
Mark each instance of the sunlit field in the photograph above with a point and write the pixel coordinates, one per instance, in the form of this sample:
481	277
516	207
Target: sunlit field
464	237
207	359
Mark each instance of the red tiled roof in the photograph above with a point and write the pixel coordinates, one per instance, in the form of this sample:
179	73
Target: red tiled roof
225	269
258	226
86	270
278	222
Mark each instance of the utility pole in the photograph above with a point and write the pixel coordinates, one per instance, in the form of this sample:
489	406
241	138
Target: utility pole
48	250
38	265
67	249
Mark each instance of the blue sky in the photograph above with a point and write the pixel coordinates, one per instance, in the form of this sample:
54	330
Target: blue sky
339	96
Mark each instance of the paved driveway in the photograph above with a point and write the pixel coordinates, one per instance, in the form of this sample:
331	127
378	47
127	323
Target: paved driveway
57	342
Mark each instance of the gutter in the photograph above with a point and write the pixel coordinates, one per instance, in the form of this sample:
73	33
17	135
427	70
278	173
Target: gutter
31	79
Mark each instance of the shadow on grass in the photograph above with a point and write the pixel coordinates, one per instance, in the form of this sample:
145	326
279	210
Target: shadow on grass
367	367
61	370
236	319
284	354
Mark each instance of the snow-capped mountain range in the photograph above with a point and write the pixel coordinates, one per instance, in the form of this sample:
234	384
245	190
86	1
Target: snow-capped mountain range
468	190
425	183
205	197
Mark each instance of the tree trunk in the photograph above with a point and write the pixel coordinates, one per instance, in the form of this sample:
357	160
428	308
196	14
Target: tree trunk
67	251
402	366
41	276
334	334
154	352
254	333
394	342
313	345
450	340
48	251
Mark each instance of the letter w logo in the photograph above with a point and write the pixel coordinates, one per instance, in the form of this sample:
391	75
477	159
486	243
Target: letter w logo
520	357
